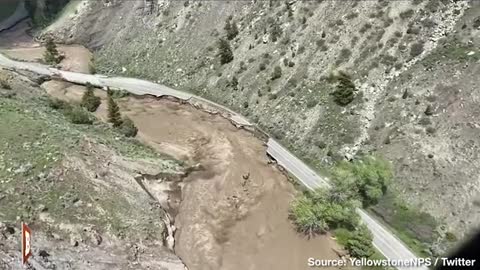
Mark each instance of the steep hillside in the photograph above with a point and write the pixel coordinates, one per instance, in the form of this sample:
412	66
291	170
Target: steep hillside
413	64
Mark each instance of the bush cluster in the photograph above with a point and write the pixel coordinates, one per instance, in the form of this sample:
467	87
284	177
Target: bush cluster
224	51
89	101
357	183
365	180
231	29
277	73
320	211
78	115
5	85
345	89
74	113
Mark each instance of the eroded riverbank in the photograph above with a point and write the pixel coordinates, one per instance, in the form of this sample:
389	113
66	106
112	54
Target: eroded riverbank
232	214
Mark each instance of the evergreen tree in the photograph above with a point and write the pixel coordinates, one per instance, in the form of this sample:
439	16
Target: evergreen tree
231	29
114	116
345	92
360	243
224	51
51	55
275	32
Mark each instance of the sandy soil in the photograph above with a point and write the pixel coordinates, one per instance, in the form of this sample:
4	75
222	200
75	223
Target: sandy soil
224	221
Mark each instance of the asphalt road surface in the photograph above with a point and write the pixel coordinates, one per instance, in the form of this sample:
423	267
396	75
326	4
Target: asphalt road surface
389	245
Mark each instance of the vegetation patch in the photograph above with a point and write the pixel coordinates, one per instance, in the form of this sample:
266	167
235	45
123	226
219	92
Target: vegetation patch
453	51
89	101
345	88
51	55
36	135
362	182
224	51
415	228
365	179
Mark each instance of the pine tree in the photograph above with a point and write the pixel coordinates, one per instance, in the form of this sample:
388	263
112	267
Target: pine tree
345	92
289	9
231	29
114	116
224	51
275	32
51	55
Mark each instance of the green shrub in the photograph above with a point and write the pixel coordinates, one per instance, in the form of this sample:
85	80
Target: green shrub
58	104
78	115
367	26
128	128
429	110
407	14
317	212
262	66
119	94
272	96
275	32
343	56
5	85
231	29
224	51
89	100
359	243
277	73
366	179
416	49
431	130
451	237
311	103
345	89
233	83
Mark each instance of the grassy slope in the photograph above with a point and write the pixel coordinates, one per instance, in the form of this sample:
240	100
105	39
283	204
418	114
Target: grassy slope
34	139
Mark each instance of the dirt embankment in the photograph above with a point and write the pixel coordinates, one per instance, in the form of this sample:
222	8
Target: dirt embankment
231	214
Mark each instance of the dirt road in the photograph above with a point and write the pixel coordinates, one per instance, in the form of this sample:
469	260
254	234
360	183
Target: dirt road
232	214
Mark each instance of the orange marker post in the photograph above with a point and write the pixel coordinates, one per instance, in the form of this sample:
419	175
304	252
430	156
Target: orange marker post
26	243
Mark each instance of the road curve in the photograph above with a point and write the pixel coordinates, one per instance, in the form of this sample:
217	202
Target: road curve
390	246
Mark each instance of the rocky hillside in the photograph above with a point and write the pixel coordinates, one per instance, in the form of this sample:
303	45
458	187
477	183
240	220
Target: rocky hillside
413	65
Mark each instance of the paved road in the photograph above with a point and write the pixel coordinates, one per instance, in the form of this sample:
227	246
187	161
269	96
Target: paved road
390	246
